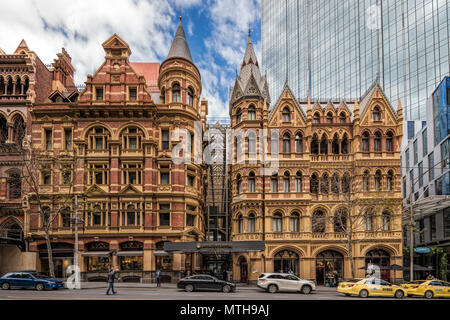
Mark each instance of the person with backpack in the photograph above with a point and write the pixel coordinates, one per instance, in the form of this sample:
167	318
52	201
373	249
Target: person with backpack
111	278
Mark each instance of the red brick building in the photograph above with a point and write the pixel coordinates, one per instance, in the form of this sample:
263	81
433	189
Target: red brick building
24	81
132	196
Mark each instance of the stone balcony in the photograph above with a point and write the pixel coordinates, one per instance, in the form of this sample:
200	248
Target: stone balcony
309	236
330	157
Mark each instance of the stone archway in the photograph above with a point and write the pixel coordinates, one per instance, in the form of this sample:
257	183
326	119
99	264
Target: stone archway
286	261
328	262
243	270
380	258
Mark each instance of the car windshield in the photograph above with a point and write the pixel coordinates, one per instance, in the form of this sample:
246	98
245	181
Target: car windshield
40	276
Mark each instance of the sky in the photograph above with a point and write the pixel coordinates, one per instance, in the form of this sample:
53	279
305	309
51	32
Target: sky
216	30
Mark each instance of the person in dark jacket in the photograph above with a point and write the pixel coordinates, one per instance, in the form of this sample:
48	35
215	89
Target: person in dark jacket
336	278
158	278
111	278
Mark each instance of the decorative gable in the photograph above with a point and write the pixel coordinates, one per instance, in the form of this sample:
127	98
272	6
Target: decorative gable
116	47
287	97
252	88
120	77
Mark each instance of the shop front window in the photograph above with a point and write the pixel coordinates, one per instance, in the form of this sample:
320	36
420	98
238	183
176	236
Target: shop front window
131	263
98	264
286	261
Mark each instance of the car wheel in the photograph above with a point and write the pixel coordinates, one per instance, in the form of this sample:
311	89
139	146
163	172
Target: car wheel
189	288
306	289
6	286
226	288
399	294
429	294
39	287
272	288
363	293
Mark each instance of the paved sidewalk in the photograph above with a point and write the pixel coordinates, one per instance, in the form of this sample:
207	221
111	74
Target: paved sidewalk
100	285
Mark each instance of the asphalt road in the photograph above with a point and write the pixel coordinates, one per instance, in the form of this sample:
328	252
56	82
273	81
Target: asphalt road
173	294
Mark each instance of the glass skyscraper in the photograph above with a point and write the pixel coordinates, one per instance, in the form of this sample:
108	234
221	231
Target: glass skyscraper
333	49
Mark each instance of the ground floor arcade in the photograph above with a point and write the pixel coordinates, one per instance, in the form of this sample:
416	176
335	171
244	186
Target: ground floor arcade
318	262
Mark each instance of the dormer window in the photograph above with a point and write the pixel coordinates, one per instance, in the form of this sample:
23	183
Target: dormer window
286	115
99	94
376	114
316	118
133	94
176	93
251	113
342	117
329	117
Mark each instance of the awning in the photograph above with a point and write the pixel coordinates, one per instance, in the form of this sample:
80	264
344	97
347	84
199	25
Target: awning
103	254
161	253
218	247
430	205
130	253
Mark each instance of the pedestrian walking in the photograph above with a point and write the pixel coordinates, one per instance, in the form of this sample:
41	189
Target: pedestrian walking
336	278
111	278
158	278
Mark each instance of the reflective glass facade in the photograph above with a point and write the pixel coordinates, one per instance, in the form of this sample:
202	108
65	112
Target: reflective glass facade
344	48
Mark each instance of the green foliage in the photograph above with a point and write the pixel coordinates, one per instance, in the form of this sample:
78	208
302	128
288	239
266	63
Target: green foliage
441	256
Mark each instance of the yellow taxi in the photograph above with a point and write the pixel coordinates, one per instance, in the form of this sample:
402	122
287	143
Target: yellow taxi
430	289
371	287
345	287
410	284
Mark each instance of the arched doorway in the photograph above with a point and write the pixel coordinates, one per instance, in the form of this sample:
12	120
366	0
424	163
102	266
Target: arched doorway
285	261
327	262
382	259
243	266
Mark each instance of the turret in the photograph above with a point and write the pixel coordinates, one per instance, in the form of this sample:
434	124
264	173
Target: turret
250	91
179	79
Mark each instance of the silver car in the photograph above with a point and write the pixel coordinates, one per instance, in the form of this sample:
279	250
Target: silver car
275	282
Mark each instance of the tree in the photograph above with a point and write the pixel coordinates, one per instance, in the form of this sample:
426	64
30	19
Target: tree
37	172
354	215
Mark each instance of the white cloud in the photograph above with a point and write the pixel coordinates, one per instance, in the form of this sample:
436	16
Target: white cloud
81	26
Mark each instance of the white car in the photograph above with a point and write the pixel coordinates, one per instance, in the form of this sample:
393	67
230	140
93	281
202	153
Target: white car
275	282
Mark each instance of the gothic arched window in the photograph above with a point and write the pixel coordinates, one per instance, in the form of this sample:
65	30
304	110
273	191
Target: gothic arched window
298	143
286	115
190	96
176	92
251	113
376	114
286	143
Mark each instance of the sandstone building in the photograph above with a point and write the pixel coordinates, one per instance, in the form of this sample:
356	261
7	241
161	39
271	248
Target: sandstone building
337	174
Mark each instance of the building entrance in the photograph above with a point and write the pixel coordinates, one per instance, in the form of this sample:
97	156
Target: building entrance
327	263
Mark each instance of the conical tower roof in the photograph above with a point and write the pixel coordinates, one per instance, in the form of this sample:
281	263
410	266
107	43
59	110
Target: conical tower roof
250	77
180	47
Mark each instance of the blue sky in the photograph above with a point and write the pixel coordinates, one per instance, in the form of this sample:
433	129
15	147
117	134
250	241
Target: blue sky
216	31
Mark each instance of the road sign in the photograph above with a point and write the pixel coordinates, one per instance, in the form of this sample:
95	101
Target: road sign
422	250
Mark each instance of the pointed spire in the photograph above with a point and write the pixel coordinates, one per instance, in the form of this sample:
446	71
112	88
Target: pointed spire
22	47
180	47
356	109
400	109
249	35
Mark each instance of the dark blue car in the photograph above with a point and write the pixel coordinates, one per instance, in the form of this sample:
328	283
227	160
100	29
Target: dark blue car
26	279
